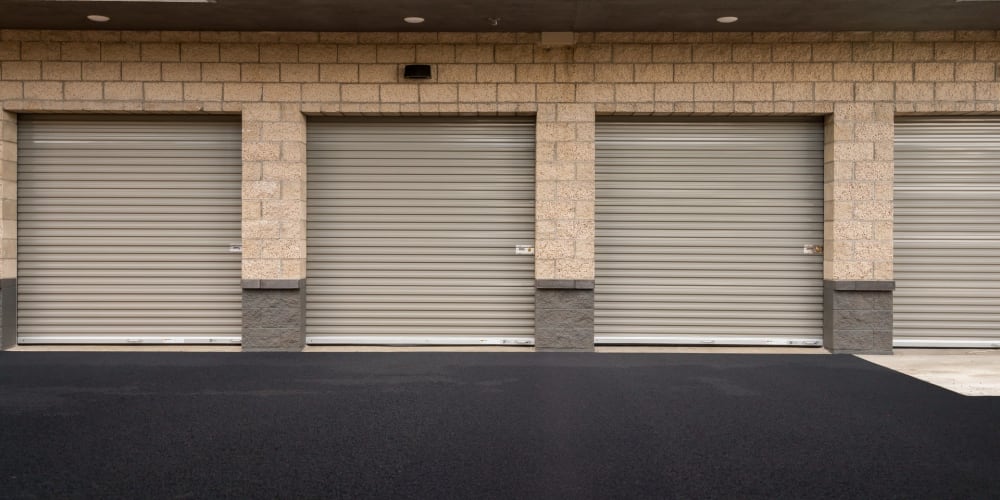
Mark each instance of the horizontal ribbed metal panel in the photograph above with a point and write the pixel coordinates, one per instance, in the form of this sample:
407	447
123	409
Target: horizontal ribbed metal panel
700	233
124	228
412	228
947	233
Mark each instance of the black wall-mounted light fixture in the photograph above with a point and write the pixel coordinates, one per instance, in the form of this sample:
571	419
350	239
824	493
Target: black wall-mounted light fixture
417	71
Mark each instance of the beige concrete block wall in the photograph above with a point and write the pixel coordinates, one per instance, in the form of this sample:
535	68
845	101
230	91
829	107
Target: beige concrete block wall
8	195
274	191
857	81
564	191
858	186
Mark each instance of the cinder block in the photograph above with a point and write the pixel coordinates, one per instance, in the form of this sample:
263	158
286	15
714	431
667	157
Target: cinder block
338	73
773	72
673	92
592	53
651	73
934	72
299	73
791	52
239	52
439	93
793	91
220	72
122	91
52	91
399	93
713	92
15	70
749	53
535	73
242	91
914	91
468	53
643	92
597	93
378	73
672	53
831	52
282	92
518	92
161	52
180	72
495	73
61	71
200	52
513	53
318	53
395	54
693	73
975	72
279	53
736	72
913	52
80	51
458	73
129	51
84	91
163	91
102	71
954	91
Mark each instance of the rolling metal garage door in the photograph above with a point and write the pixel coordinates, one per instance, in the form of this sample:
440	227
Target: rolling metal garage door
124	230
701	230
947	233
412	231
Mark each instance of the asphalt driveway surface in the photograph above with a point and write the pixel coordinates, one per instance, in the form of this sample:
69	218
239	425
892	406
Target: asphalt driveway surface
485	425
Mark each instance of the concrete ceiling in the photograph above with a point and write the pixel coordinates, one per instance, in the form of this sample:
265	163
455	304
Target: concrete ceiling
514	15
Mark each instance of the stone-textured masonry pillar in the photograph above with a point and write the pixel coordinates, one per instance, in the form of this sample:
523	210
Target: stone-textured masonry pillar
8	229
857	268
564	231
274	227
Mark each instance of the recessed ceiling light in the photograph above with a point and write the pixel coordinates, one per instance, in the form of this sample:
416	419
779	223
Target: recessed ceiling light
413	19
97	18
728	19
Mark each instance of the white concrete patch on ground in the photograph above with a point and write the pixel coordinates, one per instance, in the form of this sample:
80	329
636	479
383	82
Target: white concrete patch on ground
970	372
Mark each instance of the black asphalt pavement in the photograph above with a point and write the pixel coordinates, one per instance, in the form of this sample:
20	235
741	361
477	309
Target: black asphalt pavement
485	425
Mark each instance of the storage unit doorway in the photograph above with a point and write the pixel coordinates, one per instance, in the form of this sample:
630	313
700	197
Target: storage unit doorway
128	230
709	232
412	230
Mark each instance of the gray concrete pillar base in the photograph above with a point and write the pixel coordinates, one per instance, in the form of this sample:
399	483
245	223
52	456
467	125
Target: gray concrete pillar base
8	313
857	317
274	315
564	315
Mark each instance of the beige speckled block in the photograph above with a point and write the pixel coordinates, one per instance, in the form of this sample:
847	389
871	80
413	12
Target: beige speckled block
858	200
274	195
565	192
8	195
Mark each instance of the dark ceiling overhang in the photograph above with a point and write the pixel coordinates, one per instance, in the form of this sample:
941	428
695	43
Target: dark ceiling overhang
512	15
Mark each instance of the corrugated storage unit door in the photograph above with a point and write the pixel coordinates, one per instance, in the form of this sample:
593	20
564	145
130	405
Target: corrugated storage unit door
947	233
124	230
701	230
412	229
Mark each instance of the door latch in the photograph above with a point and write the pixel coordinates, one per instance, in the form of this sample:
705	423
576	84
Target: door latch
812	249
524	250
